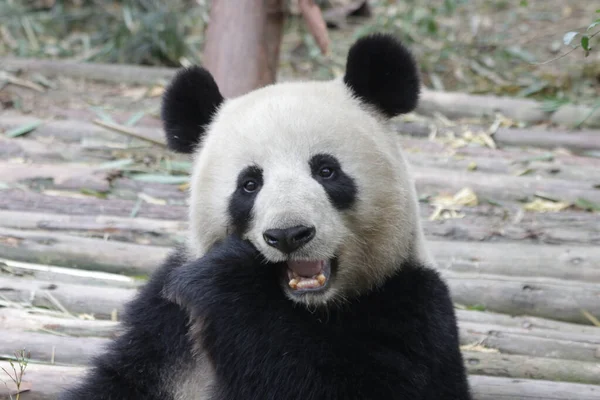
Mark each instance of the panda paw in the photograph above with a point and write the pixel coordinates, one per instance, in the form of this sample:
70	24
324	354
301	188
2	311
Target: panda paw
231	268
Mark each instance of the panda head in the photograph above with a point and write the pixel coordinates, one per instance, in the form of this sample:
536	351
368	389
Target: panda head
306	171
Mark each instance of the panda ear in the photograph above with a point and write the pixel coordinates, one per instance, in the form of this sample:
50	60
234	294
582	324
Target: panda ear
382	72
188	105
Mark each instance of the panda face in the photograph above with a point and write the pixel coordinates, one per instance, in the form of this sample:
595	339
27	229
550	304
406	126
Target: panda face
313	179
308	172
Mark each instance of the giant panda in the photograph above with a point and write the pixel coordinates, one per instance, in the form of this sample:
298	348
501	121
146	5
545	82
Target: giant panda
305	275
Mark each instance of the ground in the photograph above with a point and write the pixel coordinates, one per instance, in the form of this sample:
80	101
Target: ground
510	204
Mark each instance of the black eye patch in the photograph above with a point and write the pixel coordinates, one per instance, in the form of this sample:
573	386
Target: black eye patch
339	186
249	183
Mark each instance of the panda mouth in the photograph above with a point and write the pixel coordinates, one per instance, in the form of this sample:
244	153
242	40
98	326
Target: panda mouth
308	276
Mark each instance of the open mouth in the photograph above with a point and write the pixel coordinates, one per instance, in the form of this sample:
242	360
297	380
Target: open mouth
308	276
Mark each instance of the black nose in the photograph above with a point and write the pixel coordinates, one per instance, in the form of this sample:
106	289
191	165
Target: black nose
289	239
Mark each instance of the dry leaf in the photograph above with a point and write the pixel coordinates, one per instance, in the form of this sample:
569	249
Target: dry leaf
135	93
478	347
540	205
152	200
156	91
447	206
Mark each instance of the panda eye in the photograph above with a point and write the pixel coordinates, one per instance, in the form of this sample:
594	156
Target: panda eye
326	172
250	186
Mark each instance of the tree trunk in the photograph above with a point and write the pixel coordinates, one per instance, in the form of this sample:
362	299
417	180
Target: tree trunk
242	44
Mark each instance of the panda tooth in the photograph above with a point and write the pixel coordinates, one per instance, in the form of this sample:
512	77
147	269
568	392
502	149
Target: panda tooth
293	283
321	279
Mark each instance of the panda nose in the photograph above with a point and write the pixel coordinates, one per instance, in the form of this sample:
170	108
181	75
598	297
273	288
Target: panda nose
289	239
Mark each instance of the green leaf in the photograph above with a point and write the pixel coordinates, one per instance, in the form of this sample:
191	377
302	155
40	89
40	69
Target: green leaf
135	118
95	193
594	24
476	307
587	205
568	37
177	166
585	42
532	89
136	209
102	115
117	164
23	129
157	178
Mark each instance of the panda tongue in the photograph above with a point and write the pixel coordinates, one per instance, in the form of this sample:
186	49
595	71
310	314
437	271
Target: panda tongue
306	269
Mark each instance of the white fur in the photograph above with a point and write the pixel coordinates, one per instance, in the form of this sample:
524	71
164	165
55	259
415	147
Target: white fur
279	128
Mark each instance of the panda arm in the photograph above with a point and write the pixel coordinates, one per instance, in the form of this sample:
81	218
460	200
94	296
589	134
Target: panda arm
263	346
448	374
152	346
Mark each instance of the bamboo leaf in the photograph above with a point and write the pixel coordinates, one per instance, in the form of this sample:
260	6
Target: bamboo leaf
587	205
135	118
117	164
568	37
23	129
157	178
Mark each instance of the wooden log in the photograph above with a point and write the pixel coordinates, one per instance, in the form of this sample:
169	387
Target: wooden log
509	223
47	381
496	388
244	58
43	382
38	320
54	349
72	131
131	74
99	301
519	155
504	165
531	342
139	230
72	176
455	105
578	141
76	252
541	297
35	150
526	322
24	200
501	187
515	366
526	260
66	275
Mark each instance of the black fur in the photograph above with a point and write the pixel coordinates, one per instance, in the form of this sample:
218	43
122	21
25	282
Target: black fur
188	105
398	342
241	202
382	72
340	187
152	344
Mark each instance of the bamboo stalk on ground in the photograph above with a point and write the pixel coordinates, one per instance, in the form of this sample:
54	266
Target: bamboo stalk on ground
47	381
496	388
525	322
40	320
542	297
502	187
99	301
516	366
72	251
